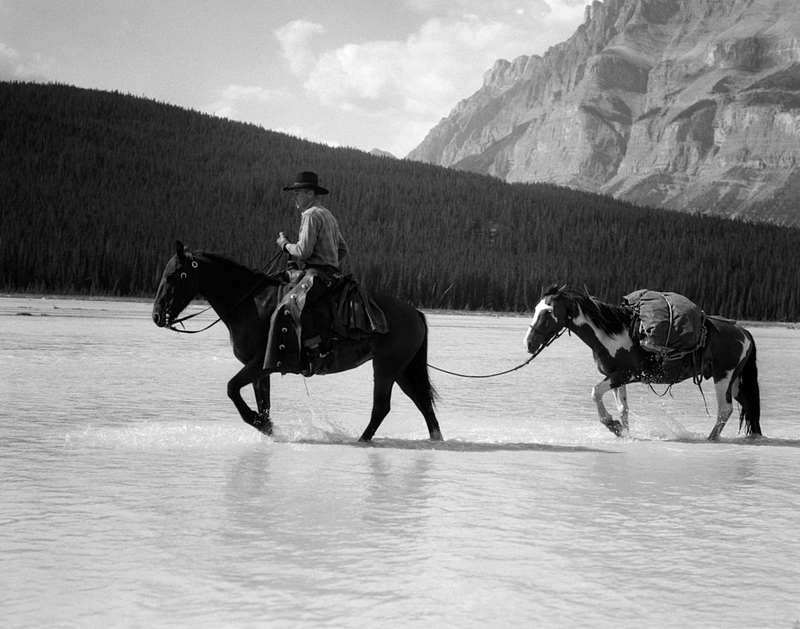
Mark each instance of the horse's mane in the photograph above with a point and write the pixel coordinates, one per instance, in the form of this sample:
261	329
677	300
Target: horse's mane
610	319
218	258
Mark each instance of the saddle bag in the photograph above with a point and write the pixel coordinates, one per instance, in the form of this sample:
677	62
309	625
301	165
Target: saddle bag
667	324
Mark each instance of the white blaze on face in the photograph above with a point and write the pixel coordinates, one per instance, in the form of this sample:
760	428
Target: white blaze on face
541	309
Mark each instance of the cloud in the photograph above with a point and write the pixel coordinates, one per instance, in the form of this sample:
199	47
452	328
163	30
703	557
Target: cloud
16	67
520	12
295	39
234	97
427	74
422	77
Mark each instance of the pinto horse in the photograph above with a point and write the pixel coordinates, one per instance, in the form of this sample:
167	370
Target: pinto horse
245	299
728	356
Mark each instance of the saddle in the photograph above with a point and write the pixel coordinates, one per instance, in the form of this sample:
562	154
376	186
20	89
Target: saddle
344	320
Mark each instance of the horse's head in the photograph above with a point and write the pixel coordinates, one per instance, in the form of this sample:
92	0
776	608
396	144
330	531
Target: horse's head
552	314
179	285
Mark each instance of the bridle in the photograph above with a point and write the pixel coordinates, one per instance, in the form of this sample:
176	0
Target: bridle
549	341
195	265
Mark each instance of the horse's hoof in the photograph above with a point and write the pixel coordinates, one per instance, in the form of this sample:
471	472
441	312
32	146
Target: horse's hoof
614	426
262	424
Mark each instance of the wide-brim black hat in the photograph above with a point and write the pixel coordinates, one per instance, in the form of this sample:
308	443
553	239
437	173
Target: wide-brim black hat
306	180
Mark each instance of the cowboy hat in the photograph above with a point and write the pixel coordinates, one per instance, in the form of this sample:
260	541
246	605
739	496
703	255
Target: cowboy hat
306	179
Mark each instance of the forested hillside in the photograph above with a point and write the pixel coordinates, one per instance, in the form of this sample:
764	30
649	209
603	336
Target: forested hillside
97	186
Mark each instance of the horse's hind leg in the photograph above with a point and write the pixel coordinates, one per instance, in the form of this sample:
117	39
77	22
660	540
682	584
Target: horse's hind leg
724	406
381	405
423	400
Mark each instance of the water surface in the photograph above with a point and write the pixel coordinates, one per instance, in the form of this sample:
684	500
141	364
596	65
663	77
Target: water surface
132	495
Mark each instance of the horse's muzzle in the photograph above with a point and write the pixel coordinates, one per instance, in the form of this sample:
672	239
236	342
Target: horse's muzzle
534	341
159	320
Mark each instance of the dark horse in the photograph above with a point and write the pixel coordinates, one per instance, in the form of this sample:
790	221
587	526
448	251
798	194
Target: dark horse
728	356
244	299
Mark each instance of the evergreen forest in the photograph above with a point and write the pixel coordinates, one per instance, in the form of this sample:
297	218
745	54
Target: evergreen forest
96	187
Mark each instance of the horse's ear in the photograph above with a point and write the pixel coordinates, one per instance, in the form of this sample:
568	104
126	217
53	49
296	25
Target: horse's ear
180	249
551	290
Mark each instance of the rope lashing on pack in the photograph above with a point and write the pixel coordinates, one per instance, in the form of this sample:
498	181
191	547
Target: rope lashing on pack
507	371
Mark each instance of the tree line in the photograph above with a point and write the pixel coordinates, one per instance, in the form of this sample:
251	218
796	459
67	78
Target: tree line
97	186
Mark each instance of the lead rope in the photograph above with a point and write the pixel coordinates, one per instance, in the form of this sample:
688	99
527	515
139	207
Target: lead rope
502	373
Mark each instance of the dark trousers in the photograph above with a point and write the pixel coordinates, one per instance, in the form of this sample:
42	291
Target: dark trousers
315	320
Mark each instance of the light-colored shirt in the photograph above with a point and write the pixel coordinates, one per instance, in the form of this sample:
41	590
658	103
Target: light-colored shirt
320	241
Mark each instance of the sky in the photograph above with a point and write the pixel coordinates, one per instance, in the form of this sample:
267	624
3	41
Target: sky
365	74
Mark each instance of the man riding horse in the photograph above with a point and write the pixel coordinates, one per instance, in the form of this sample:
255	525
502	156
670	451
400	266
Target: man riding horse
317	255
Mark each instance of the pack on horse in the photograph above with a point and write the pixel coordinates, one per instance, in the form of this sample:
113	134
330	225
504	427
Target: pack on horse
726	353
245	300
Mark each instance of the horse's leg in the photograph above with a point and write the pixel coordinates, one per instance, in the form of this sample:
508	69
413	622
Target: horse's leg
598	391
724	405
621	397
262	420
381	404
246	375
423	400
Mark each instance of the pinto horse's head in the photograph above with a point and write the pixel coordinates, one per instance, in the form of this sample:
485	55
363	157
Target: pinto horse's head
179	285
552	314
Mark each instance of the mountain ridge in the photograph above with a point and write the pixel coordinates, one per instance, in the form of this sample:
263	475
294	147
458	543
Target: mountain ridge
687	105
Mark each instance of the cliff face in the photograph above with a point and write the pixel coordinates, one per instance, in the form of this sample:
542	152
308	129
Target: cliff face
686	104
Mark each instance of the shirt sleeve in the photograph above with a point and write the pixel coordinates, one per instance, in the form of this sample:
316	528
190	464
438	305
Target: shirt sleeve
309	230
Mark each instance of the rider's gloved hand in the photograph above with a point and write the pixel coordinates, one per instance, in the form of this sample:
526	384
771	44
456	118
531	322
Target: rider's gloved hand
282	240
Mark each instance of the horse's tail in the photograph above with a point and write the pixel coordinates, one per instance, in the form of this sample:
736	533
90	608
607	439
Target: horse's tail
749	394
417	370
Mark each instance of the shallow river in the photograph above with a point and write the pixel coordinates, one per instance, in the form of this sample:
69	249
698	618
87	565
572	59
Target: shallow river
133	496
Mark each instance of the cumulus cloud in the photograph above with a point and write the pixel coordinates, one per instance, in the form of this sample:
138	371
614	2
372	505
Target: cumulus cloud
433	68
425	75
296	38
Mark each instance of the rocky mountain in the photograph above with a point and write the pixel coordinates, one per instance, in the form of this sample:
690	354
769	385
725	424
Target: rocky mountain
684	104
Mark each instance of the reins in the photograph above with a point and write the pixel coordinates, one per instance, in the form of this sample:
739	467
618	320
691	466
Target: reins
272	261
507	371
180	320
